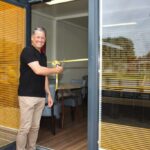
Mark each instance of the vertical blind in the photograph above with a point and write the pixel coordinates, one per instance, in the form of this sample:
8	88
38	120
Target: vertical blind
12	40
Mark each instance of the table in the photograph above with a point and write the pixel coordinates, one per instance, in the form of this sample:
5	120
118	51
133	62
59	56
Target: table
69	86
65	90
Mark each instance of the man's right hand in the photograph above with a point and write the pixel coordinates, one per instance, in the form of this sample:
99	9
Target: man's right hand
59	69
41	70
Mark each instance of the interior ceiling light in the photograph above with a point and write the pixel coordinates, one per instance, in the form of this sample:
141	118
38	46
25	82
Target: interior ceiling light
57	2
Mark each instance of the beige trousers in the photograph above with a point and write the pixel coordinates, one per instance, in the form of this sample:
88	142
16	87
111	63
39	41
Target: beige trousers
30	115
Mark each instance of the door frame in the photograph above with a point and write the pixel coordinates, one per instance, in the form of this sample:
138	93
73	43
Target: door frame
16	3
93	74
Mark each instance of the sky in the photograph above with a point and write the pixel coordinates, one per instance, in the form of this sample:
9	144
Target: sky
124	12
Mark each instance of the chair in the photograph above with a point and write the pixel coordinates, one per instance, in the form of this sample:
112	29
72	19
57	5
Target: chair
84	93
75	98
85	89
53	112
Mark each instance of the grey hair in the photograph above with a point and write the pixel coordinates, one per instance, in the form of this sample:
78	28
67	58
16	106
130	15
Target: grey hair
42	29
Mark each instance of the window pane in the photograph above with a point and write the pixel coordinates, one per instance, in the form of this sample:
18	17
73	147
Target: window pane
126	75
12	31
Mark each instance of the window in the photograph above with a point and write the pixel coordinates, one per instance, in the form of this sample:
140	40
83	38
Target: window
126	75
12	39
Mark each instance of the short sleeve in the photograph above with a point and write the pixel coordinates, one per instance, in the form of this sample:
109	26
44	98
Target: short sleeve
28	55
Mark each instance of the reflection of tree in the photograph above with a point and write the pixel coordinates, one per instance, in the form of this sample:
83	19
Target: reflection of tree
144	65
117	58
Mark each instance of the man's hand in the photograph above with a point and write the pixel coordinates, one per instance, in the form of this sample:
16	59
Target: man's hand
50	101
59	69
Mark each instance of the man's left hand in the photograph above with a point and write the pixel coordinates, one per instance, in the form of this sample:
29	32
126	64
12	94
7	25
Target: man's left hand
50	101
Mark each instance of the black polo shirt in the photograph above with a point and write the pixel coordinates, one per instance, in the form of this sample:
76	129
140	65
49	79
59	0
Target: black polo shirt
31	84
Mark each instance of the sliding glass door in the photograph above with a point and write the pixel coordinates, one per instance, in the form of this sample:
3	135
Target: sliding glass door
126	75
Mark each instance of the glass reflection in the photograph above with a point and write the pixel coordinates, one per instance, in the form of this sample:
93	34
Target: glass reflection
126	75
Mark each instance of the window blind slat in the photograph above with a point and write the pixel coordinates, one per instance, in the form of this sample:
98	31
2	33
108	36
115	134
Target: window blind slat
12	31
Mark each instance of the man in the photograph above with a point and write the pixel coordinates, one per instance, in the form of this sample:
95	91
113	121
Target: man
33	87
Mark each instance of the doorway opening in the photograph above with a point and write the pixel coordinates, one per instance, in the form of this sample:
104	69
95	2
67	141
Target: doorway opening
67	41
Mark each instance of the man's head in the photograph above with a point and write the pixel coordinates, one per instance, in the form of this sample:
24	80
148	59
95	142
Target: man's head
38	37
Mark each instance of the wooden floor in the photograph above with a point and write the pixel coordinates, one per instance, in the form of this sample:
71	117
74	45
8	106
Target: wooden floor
72	137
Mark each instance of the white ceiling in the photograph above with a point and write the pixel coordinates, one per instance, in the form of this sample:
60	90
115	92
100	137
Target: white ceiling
75	12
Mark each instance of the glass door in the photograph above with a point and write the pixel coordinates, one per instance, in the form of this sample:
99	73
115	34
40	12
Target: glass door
125	75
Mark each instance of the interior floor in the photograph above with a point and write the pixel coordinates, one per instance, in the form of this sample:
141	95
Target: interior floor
72	137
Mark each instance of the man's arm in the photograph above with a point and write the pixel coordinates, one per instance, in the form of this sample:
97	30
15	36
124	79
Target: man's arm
47	90
40	70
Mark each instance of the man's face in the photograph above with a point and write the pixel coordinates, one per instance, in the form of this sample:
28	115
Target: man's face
38	39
